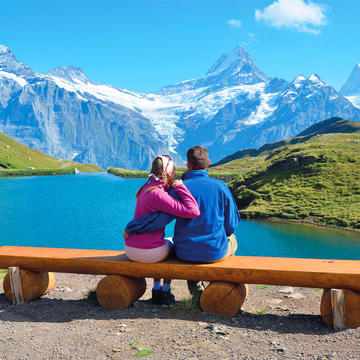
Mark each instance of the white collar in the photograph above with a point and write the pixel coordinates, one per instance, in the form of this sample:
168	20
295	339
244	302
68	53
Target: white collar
155	177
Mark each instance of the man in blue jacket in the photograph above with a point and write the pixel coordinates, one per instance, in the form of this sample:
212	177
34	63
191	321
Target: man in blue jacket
208	237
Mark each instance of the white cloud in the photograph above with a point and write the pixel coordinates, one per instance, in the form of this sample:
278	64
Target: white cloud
234	23
298	14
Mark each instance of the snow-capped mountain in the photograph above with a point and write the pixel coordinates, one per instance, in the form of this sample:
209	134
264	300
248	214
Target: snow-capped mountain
233	106
38	112
270	111
10	65
351	89
230	70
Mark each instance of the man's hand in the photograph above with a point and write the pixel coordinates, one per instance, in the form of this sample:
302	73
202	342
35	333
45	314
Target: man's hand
126	235
175	183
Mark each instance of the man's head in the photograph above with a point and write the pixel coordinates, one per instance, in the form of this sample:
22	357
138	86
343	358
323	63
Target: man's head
197	158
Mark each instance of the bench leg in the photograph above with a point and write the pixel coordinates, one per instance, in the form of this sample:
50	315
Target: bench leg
117	292
223	298
15	284
22	285
340	308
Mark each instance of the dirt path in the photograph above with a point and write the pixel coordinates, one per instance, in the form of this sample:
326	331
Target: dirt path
277	323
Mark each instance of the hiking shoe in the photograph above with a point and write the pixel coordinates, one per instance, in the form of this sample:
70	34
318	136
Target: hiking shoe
167	298
156	296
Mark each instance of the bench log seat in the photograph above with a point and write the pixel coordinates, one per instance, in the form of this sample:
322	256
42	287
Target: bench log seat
127	277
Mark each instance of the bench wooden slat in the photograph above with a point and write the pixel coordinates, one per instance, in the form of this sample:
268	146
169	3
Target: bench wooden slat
320	273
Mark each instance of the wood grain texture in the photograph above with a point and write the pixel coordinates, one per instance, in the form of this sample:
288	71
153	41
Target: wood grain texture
33	284
320	273
15	283
117	292
223	298
338	309
352	308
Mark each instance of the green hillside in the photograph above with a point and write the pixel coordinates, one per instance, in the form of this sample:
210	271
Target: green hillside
313	178
16	158
328	126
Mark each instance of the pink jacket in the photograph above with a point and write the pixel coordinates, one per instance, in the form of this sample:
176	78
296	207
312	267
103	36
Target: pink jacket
159	200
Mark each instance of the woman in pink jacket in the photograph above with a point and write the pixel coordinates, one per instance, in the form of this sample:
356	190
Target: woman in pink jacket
153	197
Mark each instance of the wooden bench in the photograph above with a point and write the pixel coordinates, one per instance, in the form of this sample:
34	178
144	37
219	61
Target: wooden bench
225	295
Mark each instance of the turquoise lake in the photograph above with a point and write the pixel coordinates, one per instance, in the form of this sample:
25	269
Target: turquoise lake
90	211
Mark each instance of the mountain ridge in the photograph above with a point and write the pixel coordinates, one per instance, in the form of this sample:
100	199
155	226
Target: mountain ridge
69	72
328	126
67	115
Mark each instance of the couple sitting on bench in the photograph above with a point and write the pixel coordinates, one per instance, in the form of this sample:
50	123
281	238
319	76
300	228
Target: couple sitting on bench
205	212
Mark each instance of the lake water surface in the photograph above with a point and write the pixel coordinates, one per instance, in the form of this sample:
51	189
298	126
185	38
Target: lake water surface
90	211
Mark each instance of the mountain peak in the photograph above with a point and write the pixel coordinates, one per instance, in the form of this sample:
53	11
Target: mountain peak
237	68
299	78
238	57
6	55
352	85
8	63
4	50
315	78
70	73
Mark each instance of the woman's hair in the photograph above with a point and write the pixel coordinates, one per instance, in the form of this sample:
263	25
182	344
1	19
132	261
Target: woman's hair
157	169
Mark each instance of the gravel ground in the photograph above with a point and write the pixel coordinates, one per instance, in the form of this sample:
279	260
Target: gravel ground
276	323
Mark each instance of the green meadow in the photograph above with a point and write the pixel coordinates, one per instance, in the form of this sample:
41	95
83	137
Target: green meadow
17	160
326	191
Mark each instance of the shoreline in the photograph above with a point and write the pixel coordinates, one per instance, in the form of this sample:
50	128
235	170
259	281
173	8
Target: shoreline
142	174
303	222
41	172
35	172
16	175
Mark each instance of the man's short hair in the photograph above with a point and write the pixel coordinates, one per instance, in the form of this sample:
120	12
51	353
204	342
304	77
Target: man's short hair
198	157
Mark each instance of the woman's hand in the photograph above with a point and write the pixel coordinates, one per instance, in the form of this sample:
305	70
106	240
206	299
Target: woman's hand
175	183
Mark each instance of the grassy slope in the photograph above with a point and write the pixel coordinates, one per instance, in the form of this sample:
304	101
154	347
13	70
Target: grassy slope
18	156
325	192
328	126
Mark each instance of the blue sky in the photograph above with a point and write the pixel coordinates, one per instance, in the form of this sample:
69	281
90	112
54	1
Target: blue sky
143	45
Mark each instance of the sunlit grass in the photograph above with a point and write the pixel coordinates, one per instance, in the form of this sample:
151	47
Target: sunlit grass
17	158
325	193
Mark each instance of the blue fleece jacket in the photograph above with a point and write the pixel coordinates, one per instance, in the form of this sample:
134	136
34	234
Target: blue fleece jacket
203	238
